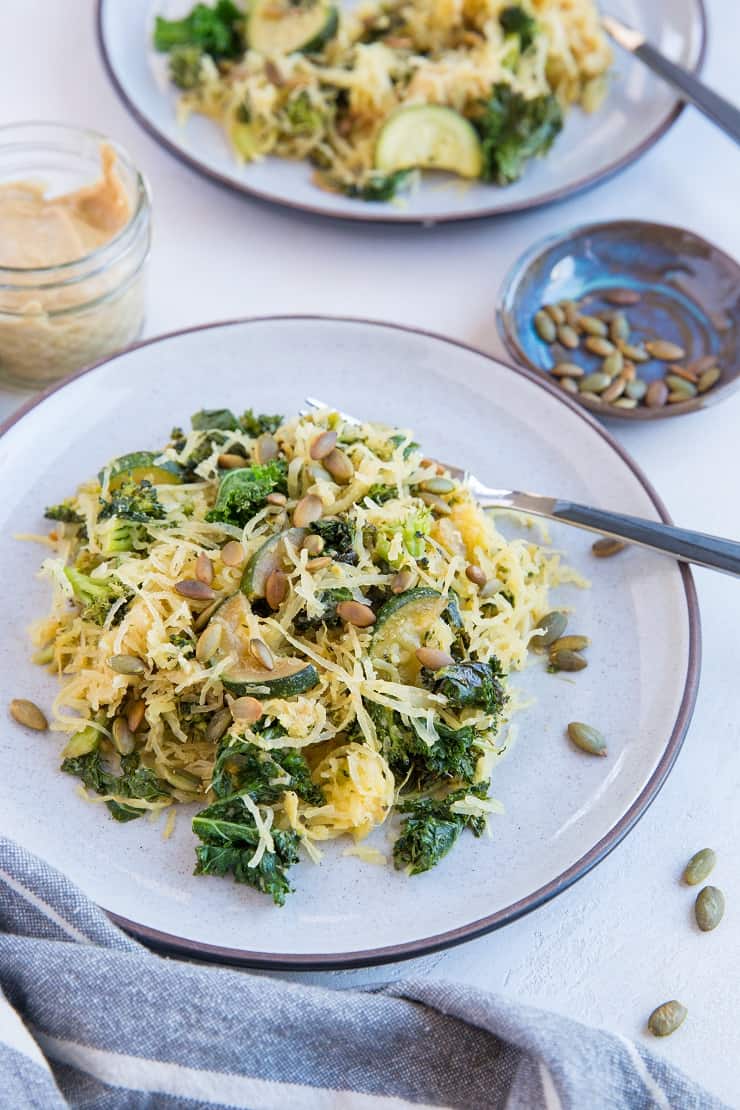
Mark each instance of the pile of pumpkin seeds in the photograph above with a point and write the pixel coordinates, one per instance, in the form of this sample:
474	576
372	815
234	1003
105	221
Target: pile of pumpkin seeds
608	335
563	652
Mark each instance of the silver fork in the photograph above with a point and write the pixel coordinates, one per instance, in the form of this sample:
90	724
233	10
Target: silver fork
686	546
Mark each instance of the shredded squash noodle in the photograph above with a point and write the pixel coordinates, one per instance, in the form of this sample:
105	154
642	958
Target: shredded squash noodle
302	626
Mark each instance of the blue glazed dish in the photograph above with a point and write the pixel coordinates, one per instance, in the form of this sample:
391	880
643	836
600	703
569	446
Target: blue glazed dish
689	294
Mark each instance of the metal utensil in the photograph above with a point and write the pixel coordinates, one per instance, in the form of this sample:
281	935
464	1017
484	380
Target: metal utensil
719	110
686	546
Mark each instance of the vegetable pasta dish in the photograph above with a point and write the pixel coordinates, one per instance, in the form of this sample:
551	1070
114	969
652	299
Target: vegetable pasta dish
474	87
302	626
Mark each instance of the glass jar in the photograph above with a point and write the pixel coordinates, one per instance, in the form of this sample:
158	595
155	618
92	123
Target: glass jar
56	319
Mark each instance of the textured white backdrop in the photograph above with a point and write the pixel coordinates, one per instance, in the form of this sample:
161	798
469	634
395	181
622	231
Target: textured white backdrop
622	939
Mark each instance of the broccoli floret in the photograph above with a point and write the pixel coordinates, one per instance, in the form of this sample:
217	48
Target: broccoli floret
242	492
515	21
257	424
216	30
301	117
137	501
124	535
514	128
96	595
467	685
414	529
339	537
379	186
431	828
185	67
63	513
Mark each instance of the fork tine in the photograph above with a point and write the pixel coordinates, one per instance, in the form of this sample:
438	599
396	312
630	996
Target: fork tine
316	405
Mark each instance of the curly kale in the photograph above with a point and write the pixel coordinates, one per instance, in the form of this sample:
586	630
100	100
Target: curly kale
229	838
379	186
257	424
243	492
208	420
243	768
431	828
329	599
514	128
339	538
453	756
216	31
96	596
63	513
135	501
515	21
133	782
471	685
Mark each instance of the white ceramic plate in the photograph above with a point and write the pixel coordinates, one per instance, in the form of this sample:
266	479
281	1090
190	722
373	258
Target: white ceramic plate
564	810
637	112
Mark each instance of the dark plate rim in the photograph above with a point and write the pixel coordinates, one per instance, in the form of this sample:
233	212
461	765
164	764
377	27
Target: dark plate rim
180	946
360	216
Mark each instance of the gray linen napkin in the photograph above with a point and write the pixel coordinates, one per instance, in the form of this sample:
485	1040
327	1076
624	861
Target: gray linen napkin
90	1018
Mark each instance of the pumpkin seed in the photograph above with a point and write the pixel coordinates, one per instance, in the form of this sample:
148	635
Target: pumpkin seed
587	738
589	395
231	462
135	714
321	563
402	581
123	738
262	653
629	373
204	569
323	445
567	661
593	326
636	353
567	370
678	397
266	448
195	590
706	362
308	509
276	587
218	725
339	466
613	364
657	394
440	507
607	546
614	391
276	499
636	389
555	312
709	908
680	385
569	385
568	336
545	326
232	554
475	575
247	709
570	643
621	296
491	588
625	403
549	629
619	327
665	1019
208	643
699	867
597	345
570	308
314	545
203	618
433	659
709	378
438	485
594	383
127	664
684	372
355	613
28	713
665	351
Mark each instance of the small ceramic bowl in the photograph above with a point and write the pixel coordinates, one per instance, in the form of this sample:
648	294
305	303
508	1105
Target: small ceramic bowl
689	295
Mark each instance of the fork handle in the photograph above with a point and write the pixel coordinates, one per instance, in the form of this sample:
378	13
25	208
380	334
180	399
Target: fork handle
719	110
690	547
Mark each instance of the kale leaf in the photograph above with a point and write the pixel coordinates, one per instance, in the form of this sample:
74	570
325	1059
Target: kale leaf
243	768
242	492
515	21
514	128
64	513
454	756
215	30
257	424
329	600
379	186
339	538
133	782
137	501
208	420
471	685
431	829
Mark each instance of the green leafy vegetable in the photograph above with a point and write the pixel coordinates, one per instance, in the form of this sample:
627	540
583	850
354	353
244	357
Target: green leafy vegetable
302	117
96	596
260	423
185	67
133	782
515	21
208	420
216	30
453	757
339	538
64	513
379	186
467	685
514	128
243	492
243	768
431	829
137	501
329	599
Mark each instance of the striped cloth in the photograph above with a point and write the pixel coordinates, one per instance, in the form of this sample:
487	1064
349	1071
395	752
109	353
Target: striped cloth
90	1018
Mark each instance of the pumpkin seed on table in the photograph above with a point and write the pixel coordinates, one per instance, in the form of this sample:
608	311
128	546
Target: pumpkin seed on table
699	867
567	661
570	643
27	713
587	738
666	1018
607	546
127	664
545	326
568	336
665	351
709	908
597	345
708	379
549	629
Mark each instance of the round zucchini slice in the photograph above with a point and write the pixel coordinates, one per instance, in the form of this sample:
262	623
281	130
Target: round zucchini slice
140	466
269	557
278	27
401	627
288	676
429	137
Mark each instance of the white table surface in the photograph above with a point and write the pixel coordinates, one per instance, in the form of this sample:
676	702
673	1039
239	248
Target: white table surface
623	939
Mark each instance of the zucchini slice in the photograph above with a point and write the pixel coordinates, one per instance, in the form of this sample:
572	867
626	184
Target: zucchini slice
140	466
288	676
401	627
279	27
429	137
269	557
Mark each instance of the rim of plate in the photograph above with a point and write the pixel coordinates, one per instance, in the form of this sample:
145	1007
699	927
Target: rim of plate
551	197
423	946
